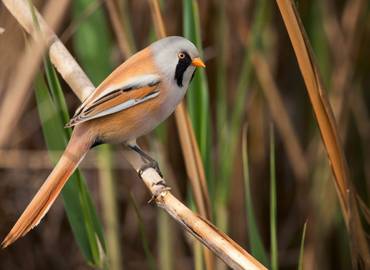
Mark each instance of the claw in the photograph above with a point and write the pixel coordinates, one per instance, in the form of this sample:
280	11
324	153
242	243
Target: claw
148	165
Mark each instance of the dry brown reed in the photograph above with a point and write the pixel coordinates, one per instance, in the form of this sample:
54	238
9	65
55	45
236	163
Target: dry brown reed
119	30
17	95
280	116
194	165
326	122
190	149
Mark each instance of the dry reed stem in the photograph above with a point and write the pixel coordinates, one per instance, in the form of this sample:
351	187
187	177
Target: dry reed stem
343	68
107	181
17	95
118	28
225	248
72	73
109	206
327	126
347	32
280	116
155	10
362	121
190	149
343	37
193	162
318	99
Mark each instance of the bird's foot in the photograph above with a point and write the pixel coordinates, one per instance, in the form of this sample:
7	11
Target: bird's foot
152	164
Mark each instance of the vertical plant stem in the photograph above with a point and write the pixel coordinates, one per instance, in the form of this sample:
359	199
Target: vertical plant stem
119	30
192	156
144	238
166	259
273	213
329	132
254	234
191	153
80	211
110	212
230	137
94	30
280	116
301	250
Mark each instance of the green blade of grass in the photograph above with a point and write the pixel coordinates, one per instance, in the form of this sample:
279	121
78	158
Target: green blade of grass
301	250
93	43
80	211
316	33
198	107
273	213
230	133
148	254
221	87
109	206
257	249
230	138
197	95
165	232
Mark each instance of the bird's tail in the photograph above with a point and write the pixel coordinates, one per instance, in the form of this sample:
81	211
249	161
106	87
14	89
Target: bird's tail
49	191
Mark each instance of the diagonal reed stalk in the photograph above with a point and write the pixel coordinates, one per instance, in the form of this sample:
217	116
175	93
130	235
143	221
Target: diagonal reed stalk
343	68
224	247
15	99
280	116
328	130
119	30
191	153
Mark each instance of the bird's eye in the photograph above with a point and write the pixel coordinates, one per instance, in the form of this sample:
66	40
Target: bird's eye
181	55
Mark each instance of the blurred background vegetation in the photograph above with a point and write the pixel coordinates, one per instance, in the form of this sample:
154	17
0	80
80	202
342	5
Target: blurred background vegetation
268	175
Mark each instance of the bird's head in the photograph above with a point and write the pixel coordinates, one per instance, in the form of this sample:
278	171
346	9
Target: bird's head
177	58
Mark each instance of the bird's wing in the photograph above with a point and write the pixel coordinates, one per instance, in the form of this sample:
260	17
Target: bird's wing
116	98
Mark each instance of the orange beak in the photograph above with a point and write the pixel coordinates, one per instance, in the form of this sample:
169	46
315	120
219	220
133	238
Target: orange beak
197	62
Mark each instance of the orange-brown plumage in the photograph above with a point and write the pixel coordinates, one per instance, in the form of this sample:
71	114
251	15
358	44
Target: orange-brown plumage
44	198
140	63
130	102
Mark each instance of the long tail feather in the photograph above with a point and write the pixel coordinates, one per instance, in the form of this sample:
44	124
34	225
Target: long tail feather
49	191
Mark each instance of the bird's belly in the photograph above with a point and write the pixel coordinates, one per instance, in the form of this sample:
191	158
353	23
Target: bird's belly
137	121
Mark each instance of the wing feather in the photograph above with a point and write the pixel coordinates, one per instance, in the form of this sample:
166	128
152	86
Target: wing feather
116	99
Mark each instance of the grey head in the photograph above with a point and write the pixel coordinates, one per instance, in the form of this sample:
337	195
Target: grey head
174	56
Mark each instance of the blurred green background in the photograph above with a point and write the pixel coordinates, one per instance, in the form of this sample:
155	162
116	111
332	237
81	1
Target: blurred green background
268	175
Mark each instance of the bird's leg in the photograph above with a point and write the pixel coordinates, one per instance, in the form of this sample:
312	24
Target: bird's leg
149	161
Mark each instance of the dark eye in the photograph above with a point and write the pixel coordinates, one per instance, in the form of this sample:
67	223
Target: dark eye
181	55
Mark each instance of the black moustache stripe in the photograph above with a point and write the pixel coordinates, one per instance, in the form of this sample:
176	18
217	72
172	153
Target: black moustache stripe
181	67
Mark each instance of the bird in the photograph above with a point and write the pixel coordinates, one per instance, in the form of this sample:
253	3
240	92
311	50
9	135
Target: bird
135	98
